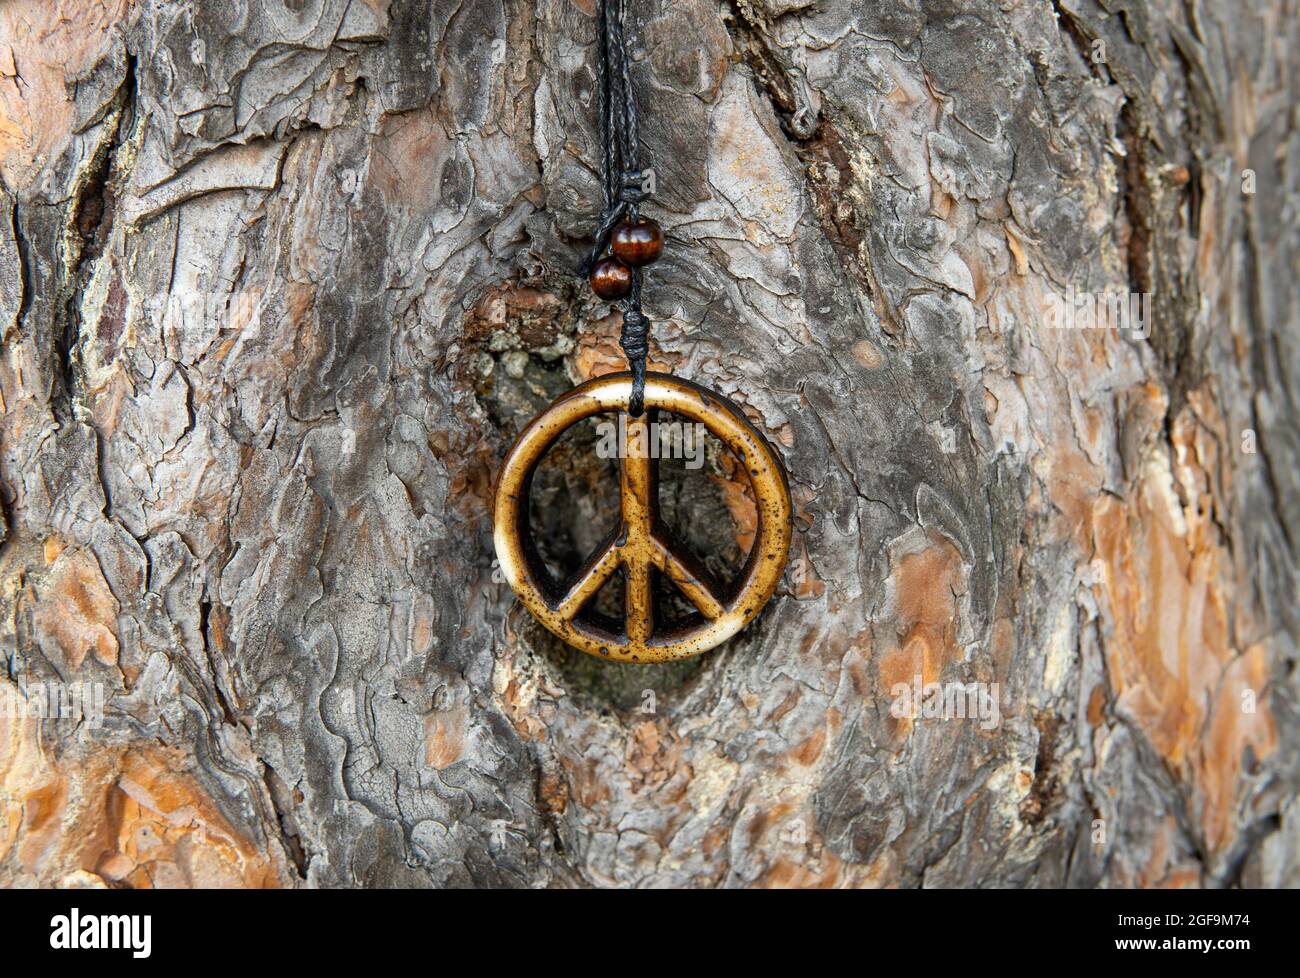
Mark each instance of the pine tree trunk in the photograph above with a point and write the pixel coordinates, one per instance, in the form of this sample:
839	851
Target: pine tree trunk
280	279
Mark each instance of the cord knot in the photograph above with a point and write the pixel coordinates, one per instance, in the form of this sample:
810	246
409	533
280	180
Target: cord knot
635	340
634	336
636	187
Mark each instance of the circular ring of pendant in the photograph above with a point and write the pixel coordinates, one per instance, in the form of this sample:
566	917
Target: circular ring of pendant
640	543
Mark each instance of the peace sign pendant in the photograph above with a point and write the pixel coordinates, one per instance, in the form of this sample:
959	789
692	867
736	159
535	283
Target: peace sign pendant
640	542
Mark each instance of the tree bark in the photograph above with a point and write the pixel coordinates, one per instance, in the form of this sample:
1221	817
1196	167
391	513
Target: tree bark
280	279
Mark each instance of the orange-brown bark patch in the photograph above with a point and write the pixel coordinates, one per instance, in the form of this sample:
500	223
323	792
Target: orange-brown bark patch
1167	582
926	584
77	614
130	814
403	164
46	45
444	736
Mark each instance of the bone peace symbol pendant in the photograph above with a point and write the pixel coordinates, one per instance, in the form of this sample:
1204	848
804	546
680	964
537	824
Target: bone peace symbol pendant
640	543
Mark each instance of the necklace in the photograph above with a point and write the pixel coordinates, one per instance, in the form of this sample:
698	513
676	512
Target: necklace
640	544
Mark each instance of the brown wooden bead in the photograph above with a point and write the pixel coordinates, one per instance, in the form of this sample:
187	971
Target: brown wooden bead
611	279
637	244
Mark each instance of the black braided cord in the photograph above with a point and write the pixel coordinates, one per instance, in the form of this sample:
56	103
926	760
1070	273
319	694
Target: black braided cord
623	193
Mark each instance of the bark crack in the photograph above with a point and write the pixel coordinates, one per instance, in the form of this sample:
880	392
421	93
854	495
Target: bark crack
92	213
779	72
